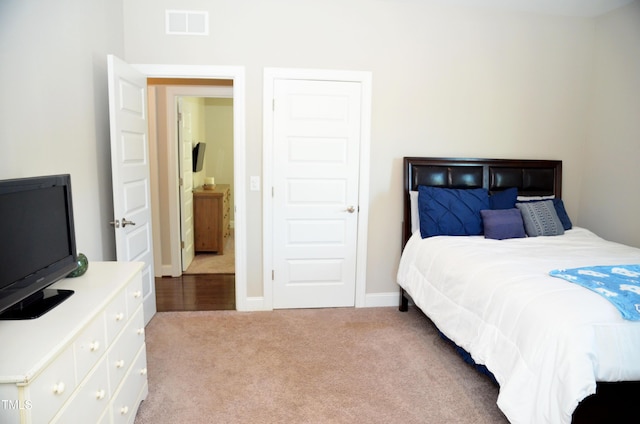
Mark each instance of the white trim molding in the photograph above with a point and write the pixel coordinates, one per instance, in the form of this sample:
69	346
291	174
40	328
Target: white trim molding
382	300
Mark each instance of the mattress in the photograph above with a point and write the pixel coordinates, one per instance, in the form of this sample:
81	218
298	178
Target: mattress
547	341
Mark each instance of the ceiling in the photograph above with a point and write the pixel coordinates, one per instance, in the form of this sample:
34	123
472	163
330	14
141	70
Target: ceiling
578	8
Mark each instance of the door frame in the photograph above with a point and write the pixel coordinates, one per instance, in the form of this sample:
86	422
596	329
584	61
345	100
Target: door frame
269	77
237	74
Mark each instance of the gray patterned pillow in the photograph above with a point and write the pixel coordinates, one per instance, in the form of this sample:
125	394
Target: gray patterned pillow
540	219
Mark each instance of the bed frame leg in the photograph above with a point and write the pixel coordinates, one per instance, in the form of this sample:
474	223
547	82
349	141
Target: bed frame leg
404	301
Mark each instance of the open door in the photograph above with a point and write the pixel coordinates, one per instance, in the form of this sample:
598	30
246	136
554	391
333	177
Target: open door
130	172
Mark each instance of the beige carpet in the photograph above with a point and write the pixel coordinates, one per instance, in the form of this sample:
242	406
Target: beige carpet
371	365
212	263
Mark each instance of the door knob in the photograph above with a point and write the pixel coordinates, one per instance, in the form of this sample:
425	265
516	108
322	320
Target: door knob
350	209
125	222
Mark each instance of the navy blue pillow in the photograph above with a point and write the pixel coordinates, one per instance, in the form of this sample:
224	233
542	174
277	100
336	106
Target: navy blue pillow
562	214
505	199
503	224
558	204
451	212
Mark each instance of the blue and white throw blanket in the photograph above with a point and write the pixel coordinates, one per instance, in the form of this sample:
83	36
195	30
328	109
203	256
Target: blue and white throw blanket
620	284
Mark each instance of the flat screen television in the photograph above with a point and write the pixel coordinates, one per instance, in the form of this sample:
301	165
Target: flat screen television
198	156
37	244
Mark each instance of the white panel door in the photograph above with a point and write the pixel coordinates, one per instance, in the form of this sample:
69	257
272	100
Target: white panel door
316	133
130	172
185	154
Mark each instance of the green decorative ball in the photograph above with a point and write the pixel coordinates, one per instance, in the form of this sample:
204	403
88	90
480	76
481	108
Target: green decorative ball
83	264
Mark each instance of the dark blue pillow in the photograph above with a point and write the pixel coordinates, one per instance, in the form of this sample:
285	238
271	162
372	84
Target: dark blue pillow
505	199
558	204
562	214
503	224
451	212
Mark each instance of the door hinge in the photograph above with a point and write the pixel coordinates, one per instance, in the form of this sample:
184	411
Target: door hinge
273	275
273	191
273	104
181	182
182	244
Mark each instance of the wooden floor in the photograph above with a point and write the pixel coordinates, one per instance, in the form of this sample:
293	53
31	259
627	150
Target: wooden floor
196	292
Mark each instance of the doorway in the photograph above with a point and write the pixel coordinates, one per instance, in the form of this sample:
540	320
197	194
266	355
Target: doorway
195	77
194	127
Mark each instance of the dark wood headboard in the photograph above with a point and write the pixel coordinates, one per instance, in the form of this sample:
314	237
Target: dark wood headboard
531	177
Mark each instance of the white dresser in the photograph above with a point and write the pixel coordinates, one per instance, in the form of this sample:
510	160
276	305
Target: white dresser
85	360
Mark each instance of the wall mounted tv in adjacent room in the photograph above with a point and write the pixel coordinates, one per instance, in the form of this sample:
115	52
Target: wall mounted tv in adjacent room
198	156
37	244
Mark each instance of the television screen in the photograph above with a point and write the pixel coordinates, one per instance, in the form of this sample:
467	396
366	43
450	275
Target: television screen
198	157
37	232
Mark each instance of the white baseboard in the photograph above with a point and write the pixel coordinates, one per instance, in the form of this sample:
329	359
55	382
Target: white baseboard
372	300
379	300
167	270
255	304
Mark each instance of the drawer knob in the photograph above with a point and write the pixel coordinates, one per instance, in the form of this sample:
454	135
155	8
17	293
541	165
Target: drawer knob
143	371
137	294
100	394
58	389
120	316
140	331
94	345
120	363
124	410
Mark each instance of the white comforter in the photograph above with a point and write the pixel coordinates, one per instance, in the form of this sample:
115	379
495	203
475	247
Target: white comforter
547	341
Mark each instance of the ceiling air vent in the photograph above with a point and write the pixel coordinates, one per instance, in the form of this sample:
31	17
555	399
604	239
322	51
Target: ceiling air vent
187	22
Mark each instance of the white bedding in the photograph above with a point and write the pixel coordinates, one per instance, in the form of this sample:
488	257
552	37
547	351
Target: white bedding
547	341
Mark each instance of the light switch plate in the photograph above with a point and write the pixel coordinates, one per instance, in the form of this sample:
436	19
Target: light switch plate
254	183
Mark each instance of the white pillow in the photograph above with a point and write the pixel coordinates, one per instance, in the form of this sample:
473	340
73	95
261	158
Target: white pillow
415	214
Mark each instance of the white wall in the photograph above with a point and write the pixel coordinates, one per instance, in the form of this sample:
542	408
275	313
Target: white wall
219	138
610	201
53	103
447	81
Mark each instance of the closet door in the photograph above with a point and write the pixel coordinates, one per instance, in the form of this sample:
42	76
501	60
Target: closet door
316	163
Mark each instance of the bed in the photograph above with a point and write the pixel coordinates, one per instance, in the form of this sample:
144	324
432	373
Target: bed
559	352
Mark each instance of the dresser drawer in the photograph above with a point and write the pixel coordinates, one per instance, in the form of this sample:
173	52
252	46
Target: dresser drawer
53	387
124	349
116	316
90	345
134	295
90	400
132	391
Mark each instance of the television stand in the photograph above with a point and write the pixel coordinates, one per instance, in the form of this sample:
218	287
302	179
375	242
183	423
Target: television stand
36	305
